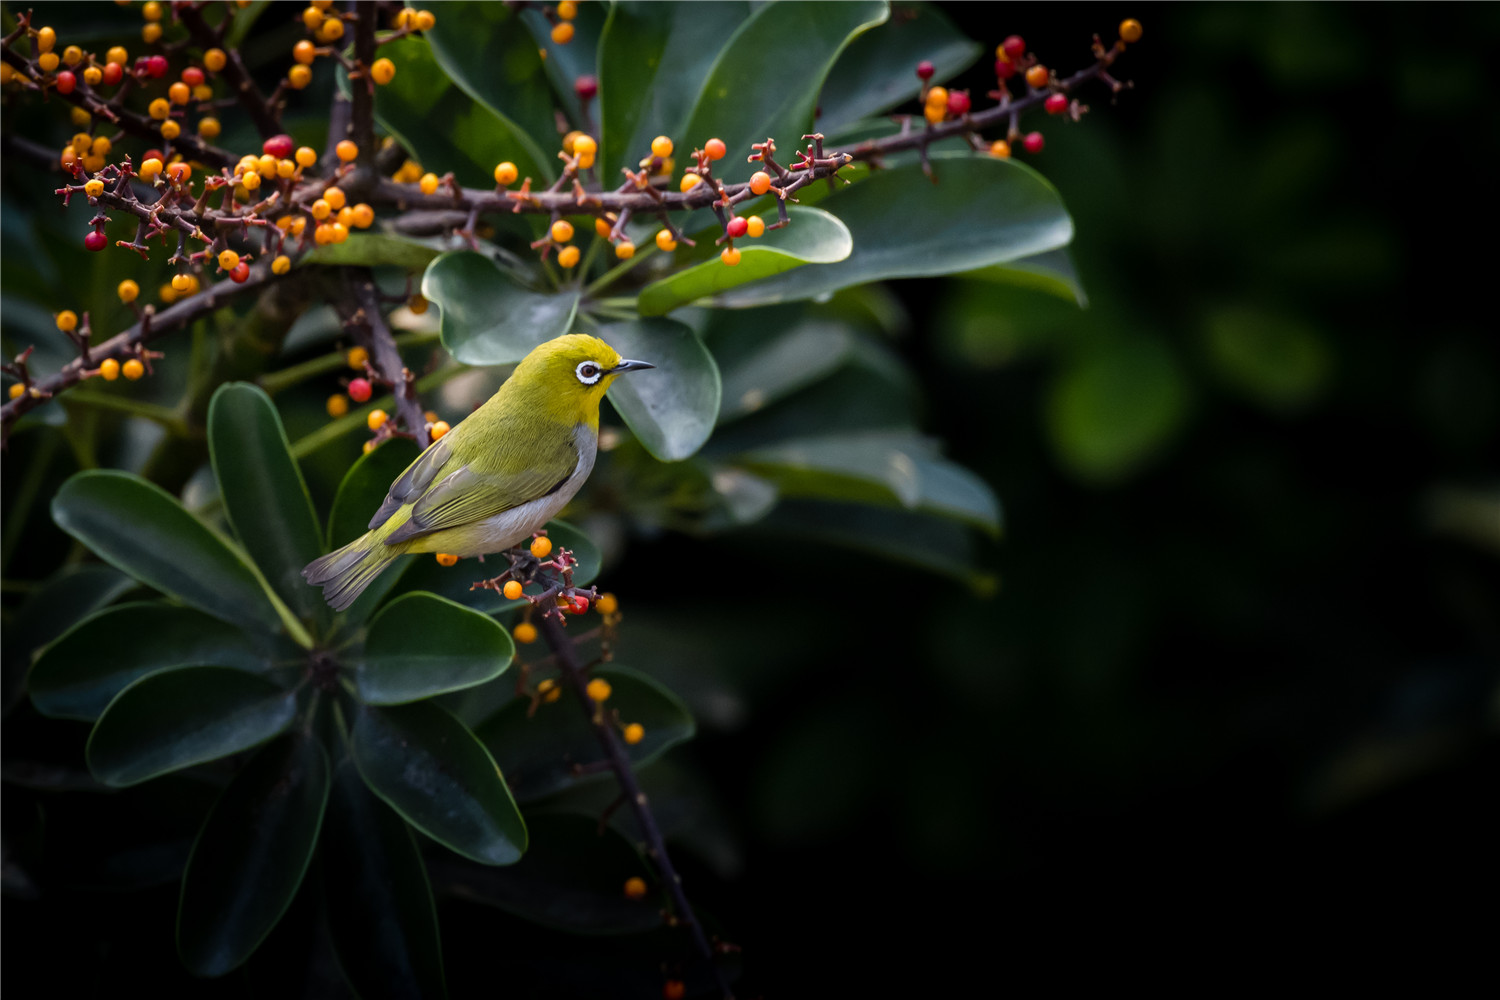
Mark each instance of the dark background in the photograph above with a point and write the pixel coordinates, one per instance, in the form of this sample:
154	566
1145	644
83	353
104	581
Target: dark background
1241	674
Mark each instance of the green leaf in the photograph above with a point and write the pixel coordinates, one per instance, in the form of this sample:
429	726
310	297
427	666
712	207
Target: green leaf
177	718
775	363
372	250
454	582
812	237
421	645
381	915
1051	272
264	495
981	211
653	60
877	71
137	527
672	409
251	854
61	602
567	62
1116	407
78	675
1277	360
487	318
431	770
569	880
879	468
740	104
454	128
539	753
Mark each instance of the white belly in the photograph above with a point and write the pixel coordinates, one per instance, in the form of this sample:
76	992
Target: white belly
511	527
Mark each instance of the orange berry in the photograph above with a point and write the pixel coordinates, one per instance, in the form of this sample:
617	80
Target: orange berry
661	146
128	291
331	30
428	183
320	209
335	198
1000	148
1037	76
424	20
634	733
229	260
635	887
567	10
1130	30
439	429
179	93
376	419
541	547
150	33
512	590
585	145
169	131
689	181
209	127
568	256
110	369
562	231
46	38
305	52
94	188
281	265
664	241
506	173
306	156
214	60
151	10
760	182
417	304
673	989
364	216
17	390
562	34
299	77
447	559
603	227
67	321
715	149
356	357
937	97
935	113
132	369
525	633
347	150
625	250
337	405
383	71
755	225
599	689
730	256
160	109
607	604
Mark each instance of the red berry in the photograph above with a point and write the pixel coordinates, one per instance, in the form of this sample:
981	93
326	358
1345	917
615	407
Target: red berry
1057	104
95	241
925	70
958	102
240	273
66	81
586	87
279	146
1014	46
578	606
112	73
738	226
140	66
1034	142
1005	69
359	390
157	67
192	76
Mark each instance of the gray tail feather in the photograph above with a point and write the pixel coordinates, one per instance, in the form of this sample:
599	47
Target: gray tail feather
345	573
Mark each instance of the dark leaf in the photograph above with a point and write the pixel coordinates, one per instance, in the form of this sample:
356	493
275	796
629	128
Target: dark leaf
487	318
671	409
421	645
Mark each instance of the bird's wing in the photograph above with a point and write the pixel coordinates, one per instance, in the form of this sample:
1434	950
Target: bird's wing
412	483
467	494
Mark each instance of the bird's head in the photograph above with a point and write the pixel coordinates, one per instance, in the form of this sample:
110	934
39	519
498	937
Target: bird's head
567	377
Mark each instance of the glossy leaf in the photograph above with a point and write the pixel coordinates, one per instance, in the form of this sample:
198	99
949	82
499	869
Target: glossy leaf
61	602
381	915
565	63
739	104
455	582
776	363
877	71
487	318
251	854
981	211
1051	272
812	237
446	128
538	753
432	770
672	408
177	718
78	675
421	645
264	495
653	60
137	527
372	250
569	880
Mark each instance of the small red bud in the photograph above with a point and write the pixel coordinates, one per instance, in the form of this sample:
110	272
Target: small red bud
240	273
1004	69
738	226
1014	46
192	76
156	66
279	146
359	390
112	73
95	241
1057	104
1033	143
925	70
586	87
66	81
958	102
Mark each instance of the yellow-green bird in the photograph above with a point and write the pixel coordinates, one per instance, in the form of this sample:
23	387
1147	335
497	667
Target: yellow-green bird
499	475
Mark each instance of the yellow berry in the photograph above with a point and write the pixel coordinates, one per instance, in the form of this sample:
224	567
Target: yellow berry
664	241
285	169
935	113
634	733
128	290
209	128
150	169
405	18
94	188
383	71
312	17
306	156
1130	30
562	34
150	33
635	887
1000	148
506	173
730	256
689	181
625	250
512	590
93	76
132	369
251	180
170	130
48	61
305	52
67	321
567	10
346	150
424	20
335	198
151	10
715	149
755	226
72	55
179	93
439	429
376	419
363	216
109	368
541	547
607	604
299	77
428	183
320	209
228	260
117	54
46	38
338	405
524	633
568	256
603	226
17	390
585	145
562	231
356	358
1037	76
447	559
160	109
214	60
281	265
599	689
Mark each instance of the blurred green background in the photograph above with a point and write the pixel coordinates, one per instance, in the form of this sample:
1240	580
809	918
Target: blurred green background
1245	646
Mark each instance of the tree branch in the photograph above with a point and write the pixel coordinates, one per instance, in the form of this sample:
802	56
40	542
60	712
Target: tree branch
359	307
234	72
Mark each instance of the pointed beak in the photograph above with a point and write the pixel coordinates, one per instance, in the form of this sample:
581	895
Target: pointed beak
630	366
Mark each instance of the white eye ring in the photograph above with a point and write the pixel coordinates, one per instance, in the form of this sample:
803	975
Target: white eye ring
588	372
